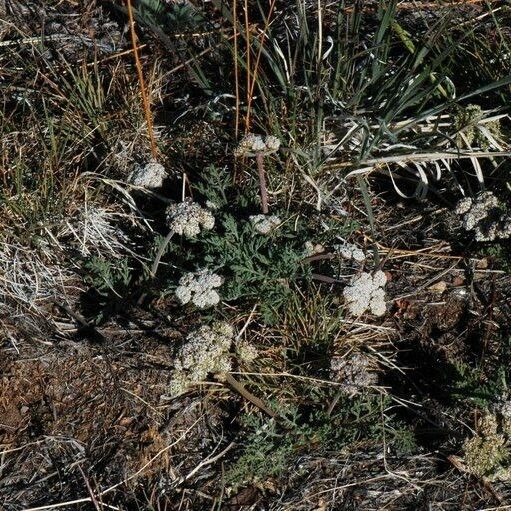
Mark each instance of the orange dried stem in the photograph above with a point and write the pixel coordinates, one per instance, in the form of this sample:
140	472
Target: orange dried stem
262	183
256	67
236	68
143	91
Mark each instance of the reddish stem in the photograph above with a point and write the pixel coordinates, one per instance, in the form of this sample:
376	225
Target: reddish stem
262	183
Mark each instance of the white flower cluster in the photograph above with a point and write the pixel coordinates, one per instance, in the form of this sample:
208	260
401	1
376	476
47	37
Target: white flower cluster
252	144
366	292
151	175
485	217
246	352
199	288
264	224
355	373
187	217
487	453
349	251
311	249
505	409
206	351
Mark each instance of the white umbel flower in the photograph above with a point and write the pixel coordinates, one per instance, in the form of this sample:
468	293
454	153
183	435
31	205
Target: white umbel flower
484	216
505	226
355	374
199	288
187	218
377	303
206	351
505	409
366	292
264	224
251	144
183	293
150	176
246	352
463	206
272	144
311	249
350	252
479	210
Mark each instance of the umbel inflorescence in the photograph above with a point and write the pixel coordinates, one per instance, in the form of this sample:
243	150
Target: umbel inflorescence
199	288
187	218
254	145
206	351
251	145
487	454
355	374
366	292
150	176
265	224
485	217
350	252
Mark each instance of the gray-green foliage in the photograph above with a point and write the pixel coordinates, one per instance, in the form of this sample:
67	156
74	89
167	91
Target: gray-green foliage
270	449
110	278
471	384
264	455
257	268
174	16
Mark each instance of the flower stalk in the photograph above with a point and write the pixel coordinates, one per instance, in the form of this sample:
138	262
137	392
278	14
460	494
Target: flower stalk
185	218
240	389
159	254
262	183
255	146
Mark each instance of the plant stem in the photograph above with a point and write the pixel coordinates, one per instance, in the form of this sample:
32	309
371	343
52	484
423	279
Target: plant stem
159	254
156	262
240	388
262	183
143	91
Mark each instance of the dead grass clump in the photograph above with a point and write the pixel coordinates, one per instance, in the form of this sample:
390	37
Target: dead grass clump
113	424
